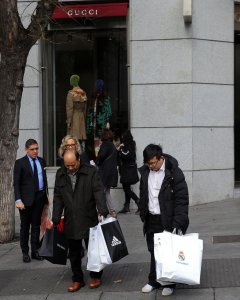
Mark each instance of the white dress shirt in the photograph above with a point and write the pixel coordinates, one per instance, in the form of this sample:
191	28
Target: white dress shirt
155	180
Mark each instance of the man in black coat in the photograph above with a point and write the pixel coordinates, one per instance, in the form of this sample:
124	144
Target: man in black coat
163	203
79	192
30	187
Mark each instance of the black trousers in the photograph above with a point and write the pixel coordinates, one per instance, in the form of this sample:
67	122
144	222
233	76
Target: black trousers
75	251
154	225
31	217
129	194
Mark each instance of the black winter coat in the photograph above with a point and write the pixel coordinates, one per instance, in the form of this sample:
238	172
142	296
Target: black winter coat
127	165
173	196
81	206
107	163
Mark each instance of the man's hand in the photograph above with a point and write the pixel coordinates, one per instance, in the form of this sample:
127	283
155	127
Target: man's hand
20	205
49	224
100	218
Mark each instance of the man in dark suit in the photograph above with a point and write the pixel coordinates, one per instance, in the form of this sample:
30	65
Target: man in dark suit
30	187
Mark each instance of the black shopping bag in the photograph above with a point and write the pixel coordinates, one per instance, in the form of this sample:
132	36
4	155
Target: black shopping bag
115	241
54	247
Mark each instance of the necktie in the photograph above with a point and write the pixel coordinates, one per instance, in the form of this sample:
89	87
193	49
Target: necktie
35	175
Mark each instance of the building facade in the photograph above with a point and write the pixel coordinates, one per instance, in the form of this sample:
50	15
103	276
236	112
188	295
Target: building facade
171	70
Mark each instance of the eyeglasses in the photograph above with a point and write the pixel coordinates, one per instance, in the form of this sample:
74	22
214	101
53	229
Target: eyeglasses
152	163
33	149
70	145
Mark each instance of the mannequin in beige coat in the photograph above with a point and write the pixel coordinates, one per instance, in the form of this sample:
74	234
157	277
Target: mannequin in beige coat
76	107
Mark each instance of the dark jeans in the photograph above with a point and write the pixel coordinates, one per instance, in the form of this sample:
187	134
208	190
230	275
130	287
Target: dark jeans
75	250
154	225
129	194
31	216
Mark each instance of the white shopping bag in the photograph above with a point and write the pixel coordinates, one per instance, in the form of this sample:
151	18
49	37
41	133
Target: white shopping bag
95	250
106	244
181	258
158	254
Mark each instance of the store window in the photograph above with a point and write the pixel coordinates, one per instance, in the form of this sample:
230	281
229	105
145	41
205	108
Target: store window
96	51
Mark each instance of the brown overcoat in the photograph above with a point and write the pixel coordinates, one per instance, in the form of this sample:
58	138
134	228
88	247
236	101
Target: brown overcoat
76	107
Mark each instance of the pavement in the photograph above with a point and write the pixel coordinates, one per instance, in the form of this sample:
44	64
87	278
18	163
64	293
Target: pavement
217	223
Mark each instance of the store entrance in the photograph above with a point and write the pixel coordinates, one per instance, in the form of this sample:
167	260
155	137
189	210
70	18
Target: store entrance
91	54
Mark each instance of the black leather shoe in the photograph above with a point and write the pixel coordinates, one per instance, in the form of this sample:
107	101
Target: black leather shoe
26	258
36	256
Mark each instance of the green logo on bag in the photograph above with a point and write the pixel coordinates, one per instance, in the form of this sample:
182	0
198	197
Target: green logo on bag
181	256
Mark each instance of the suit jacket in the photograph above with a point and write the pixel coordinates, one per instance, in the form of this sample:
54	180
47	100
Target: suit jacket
23	180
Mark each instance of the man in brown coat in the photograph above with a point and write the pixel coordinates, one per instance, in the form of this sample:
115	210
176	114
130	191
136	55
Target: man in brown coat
79	192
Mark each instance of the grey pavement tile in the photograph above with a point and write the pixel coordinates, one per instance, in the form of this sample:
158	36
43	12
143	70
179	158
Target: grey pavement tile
128	296
76	296
13	261
189	294
24	297
232	293
25	282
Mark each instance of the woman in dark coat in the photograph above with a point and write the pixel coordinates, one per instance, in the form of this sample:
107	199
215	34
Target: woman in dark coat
128	169
107	163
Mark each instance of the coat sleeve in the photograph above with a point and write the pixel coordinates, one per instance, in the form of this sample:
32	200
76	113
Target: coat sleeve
103	154
69	108
142	200
126	154
181	203
43	165
17	179
99	195
58	203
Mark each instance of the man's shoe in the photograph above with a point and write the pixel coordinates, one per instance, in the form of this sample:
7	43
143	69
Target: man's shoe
35	255
95	283
75	286
26	258
148	288
167	291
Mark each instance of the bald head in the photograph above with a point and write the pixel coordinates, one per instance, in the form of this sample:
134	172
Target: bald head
71	161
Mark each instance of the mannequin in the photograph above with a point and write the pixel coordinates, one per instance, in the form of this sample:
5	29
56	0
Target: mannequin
76	107
98	114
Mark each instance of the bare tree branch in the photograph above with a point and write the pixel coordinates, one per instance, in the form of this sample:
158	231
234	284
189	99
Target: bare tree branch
40	19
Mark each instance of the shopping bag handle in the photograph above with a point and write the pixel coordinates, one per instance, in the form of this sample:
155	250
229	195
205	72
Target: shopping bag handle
177	231
100	218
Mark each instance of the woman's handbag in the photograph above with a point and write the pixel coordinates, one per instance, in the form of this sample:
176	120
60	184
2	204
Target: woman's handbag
128	173
178	257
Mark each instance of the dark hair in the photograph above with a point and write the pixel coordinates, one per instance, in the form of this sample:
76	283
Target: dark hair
150	151
107	135
30	142
127	139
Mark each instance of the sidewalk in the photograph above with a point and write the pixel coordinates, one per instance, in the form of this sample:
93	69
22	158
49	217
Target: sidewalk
123	280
